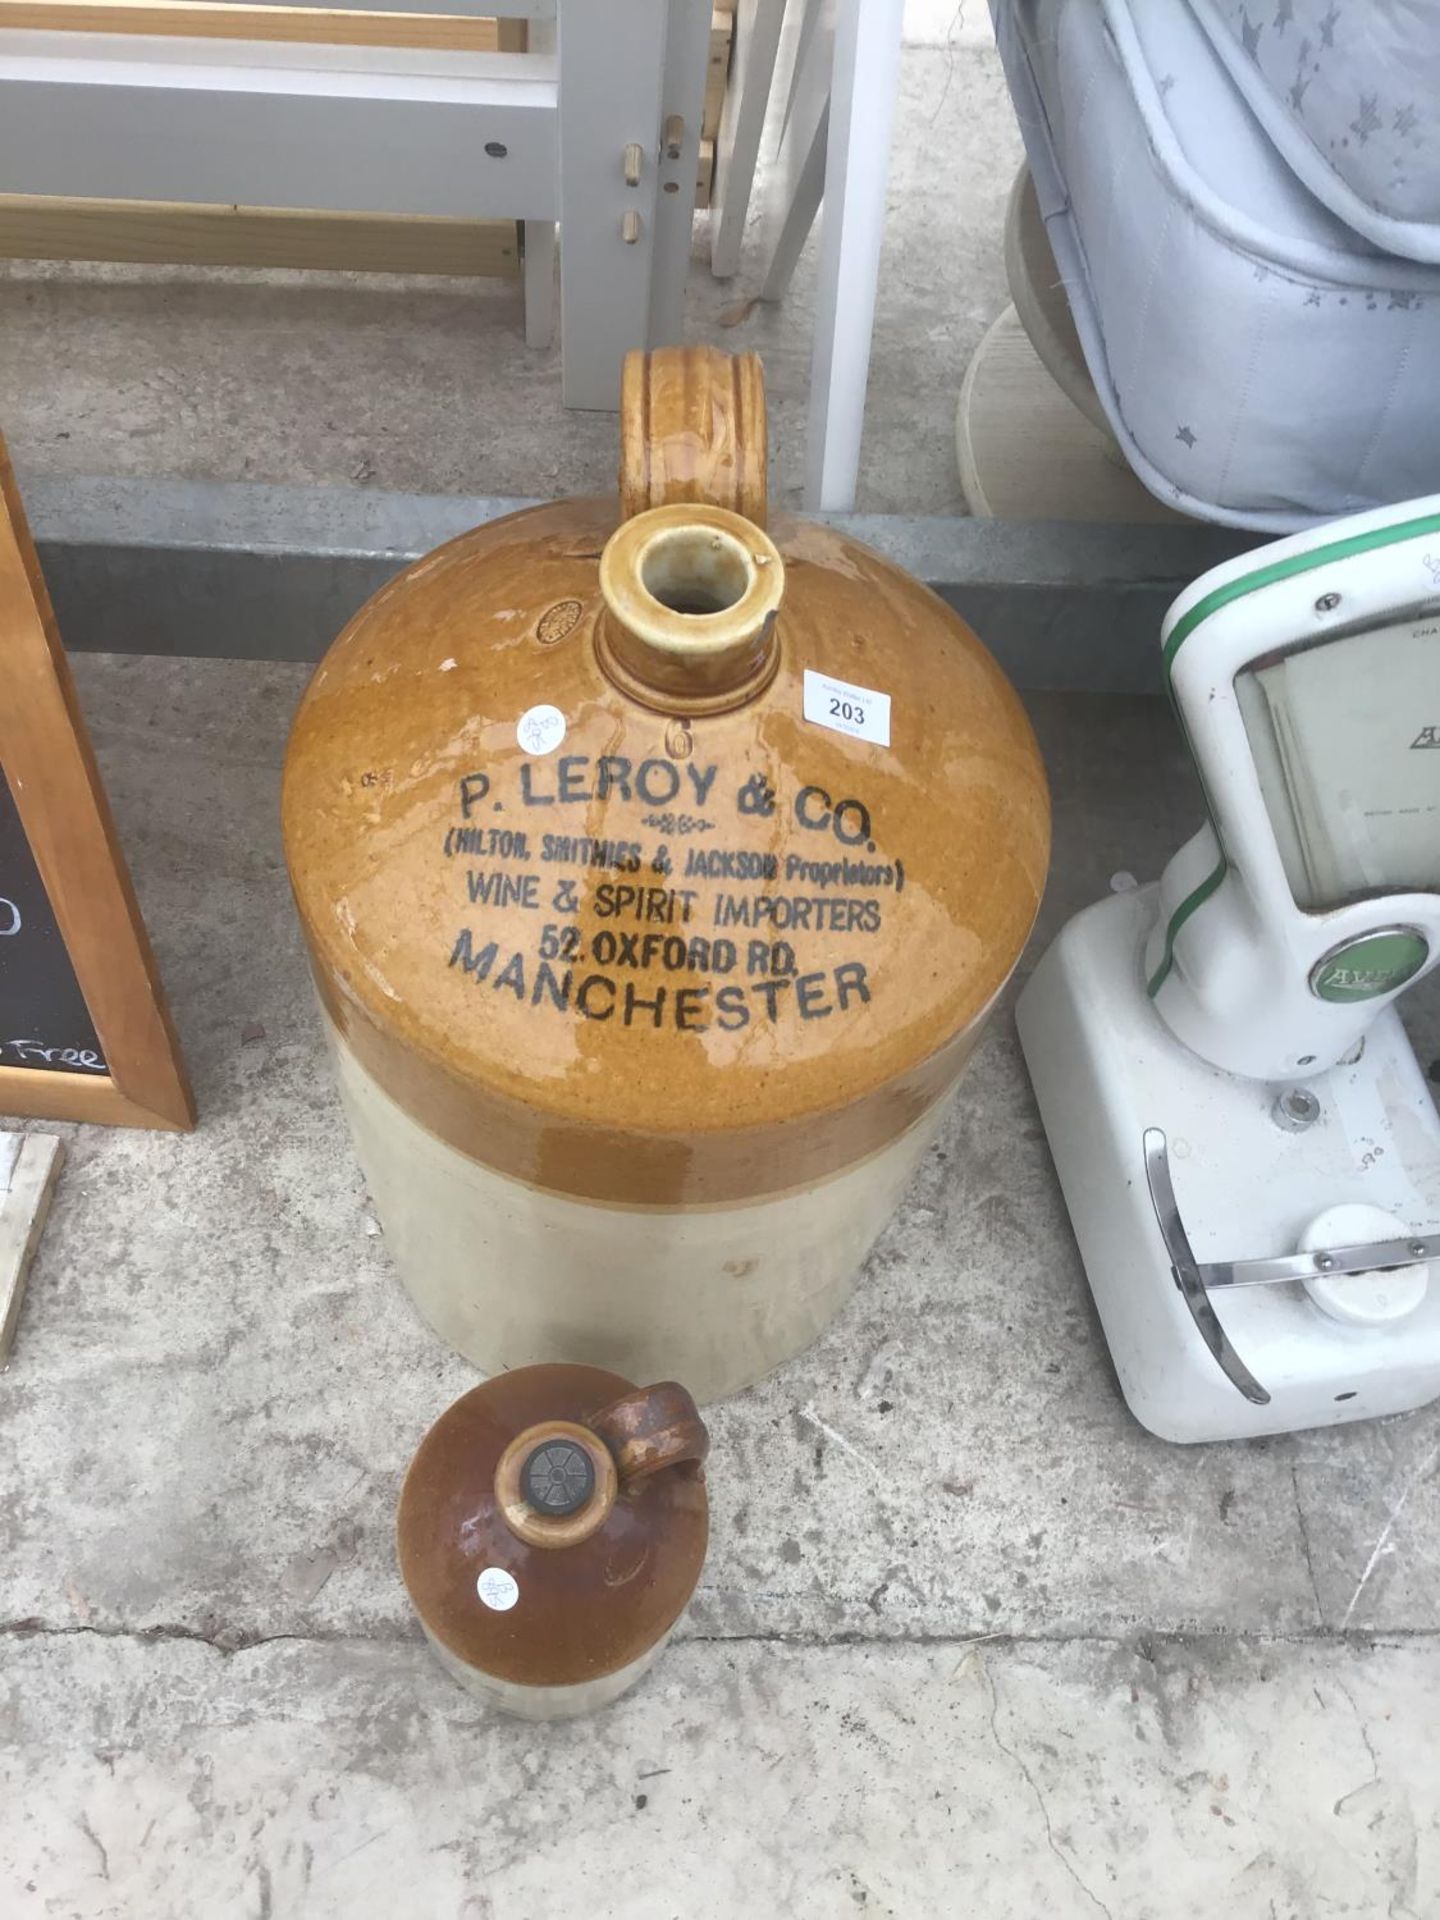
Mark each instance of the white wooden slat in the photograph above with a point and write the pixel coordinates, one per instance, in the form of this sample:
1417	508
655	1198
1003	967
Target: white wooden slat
340	129
257	64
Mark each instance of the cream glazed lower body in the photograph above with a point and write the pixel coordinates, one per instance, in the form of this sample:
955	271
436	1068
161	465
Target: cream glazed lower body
545	1703
714	1297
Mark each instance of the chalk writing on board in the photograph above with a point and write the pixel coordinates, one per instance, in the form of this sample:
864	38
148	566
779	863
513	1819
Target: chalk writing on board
34	1053
44	1021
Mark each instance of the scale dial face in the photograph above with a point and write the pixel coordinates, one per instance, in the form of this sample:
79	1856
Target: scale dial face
1346	739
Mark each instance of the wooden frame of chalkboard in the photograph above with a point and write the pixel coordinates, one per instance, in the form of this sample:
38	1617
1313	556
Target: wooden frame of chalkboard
117	1060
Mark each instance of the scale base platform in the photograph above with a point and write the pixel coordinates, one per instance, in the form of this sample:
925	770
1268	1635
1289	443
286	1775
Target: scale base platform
1105	1069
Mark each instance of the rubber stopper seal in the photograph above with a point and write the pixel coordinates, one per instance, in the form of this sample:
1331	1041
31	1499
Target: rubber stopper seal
558	1478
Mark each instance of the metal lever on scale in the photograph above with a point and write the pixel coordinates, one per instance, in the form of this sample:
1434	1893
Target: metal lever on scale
1189	1276
1195	1278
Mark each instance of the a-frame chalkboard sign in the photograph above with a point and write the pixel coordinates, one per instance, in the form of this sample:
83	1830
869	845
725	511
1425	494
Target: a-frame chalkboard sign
84	1033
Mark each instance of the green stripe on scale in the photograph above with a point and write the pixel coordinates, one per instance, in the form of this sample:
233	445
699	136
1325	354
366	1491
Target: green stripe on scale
1233	590
1177	920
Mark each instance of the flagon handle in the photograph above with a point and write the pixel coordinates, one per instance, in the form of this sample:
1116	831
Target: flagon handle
692	429
651	1429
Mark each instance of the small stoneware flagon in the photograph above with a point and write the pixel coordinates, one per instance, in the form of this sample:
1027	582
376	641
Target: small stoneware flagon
658	866
551	1531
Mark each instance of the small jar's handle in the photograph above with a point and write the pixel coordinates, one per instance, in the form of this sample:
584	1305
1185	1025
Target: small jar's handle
650	1429
692	428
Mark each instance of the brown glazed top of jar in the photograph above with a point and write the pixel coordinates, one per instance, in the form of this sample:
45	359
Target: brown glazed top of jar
720	938
582	1610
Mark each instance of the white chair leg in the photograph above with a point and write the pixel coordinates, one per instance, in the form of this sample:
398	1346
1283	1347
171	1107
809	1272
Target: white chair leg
814	42
757	41
862	112
797	180
539	244
806	188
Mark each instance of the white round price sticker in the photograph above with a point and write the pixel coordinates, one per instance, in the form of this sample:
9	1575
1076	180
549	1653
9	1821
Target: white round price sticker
498	1589
541	729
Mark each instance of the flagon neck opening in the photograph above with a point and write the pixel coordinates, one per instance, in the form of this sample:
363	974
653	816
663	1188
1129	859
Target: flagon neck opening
691	598
556	1483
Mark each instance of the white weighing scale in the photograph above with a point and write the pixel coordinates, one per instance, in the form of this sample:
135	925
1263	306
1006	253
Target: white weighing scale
1245	1140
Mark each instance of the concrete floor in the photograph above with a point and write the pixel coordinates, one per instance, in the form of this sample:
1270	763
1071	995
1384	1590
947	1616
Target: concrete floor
968	1640
1004	1653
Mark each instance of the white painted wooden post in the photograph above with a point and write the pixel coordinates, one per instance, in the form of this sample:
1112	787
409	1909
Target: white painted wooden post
865	80
612	59
682	107
799	175
752	74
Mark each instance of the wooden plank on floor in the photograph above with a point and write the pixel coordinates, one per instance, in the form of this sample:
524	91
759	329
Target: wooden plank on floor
29	1167
210	20
42	227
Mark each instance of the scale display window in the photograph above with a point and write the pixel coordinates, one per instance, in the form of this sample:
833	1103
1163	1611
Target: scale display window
1346	739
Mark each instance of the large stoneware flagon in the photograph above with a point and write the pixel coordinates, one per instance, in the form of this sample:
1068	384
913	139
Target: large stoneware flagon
658	867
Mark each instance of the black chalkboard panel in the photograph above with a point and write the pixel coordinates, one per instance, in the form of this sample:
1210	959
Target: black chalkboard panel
44	1021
